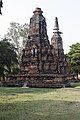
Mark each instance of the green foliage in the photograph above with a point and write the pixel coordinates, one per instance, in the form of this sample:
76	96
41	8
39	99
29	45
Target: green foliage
39	104
74	56
1	5
8	58
11	47
17	34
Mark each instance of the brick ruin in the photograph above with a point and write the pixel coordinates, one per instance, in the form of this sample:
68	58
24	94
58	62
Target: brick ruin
42	64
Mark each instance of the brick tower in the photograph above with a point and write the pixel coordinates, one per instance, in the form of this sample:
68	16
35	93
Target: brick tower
42	64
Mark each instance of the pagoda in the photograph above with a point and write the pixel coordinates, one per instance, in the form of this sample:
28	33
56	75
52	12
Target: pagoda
42	64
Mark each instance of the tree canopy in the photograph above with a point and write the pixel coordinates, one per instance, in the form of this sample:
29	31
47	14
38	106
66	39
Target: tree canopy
74	56
17	34
8	58
1	5
11	46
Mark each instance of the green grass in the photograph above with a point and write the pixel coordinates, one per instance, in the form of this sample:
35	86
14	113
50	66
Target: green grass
39	104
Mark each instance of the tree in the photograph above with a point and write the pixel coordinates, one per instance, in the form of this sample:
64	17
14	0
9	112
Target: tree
74	56
1	5
17	34
8	58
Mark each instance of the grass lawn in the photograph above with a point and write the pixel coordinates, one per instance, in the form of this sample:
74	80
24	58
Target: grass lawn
39	104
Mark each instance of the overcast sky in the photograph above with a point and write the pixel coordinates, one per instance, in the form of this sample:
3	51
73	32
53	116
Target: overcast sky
67	11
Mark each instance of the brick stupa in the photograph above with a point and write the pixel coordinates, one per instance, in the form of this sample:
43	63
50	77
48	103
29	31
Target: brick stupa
42	64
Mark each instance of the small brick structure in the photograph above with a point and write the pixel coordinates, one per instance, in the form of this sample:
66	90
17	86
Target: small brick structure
42	64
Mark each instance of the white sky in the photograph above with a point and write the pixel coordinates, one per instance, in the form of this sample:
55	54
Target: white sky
67	11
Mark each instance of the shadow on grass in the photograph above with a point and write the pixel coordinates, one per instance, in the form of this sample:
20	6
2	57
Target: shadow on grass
40	110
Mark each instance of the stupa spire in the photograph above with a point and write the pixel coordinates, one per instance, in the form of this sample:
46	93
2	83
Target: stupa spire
56	39
38	28
56	26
